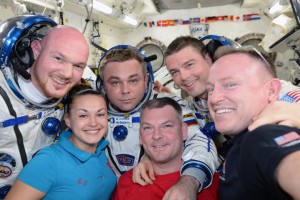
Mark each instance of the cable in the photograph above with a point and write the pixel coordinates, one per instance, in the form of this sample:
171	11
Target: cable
89	14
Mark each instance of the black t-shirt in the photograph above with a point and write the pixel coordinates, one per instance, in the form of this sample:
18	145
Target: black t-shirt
252	160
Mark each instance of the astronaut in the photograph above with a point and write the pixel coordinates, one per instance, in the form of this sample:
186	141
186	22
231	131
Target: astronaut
40	62
126	78
188	60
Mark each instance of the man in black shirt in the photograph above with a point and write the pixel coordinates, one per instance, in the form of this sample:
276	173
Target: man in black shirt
259	164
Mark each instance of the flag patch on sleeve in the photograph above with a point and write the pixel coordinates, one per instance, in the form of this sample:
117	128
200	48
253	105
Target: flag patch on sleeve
190	119
287	138
292	96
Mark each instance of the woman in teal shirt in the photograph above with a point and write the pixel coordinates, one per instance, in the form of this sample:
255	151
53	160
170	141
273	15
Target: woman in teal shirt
76	166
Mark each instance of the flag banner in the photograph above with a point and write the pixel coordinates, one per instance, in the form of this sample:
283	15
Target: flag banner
202	20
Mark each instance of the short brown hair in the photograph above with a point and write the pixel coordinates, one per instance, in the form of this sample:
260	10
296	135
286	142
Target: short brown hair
121	55
185	41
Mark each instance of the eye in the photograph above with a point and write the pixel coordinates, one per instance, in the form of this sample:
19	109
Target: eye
230	85
174	73
79	67
146	128
58	58
133	81
82	116
167	126
115	82
101	115
189	65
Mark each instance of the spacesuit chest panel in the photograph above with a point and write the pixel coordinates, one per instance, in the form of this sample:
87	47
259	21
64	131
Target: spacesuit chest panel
123	136
33	137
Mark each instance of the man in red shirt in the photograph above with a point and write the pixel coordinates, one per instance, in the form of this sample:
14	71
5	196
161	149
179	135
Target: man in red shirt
162	133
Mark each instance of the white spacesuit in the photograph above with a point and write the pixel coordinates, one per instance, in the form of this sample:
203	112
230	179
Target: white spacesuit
25	126
289	92
125	151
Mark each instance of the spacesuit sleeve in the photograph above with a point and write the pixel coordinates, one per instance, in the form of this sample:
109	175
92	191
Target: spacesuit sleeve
40	172
289	92
200	153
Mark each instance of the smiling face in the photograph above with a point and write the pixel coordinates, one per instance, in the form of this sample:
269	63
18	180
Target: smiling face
87	119
125	84
238	89
189	71
162	135
59	61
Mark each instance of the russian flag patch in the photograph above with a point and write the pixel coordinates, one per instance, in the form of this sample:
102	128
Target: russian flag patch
190	119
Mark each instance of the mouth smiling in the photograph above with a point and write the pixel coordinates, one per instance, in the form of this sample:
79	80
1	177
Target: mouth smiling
159	146
59	81
224	110
92	131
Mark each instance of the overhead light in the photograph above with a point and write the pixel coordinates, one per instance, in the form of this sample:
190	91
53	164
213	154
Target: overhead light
102	7
41	4
130	20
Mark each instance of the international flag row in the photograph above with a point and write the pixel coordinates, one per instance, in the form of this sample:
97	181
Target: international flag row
200	20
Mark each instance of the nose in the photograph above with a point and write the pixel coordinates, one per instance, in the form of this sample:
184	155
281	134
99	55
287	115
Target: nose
93	121
125	88
185	73
68	70
157	134
215	96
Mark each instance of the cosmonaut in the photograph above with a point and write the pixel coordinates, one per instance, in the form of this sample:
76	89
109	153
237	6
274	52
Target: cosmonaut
125	151
28	119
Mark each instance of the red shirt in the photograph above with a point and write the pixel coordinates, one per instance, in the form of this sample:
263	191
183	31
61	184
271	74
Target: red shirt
128	190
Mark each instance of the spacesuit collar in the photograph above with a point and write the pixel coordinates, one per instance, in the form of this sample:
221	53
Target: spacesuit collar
31	91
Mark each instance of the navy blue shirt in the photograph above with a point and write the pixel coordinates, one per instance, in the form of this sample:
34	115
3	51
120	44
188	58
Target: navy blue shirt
252	160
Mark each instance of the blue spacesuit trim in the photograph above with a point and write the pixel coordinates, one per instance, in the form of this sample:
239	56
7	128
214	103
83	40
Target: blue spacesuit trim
199	165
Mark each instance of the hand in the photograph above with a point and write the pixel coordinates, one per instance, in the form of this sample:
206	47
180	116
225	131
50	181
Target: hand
143	173
160	88
278	112
185	189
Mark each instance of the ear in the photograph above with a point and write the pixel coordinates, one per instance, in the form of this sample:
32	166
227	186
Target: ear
184	129
36	48
140	137
274	89
208	59
146	81
67	120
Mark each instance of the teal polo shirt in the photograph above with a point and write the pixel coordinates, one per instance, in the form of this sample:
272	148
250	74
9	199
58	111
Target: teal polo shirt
63	171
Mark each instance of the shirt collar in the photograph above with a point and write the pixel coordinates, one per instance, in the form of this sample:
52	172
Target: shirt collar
83	156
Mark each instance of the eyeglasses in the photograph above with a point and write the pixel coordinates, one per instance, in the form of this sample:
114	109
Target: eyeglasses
248	49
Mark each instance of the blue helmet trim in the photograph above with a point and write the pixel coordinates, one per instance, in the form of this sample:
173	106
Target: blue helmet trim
224	41
16	32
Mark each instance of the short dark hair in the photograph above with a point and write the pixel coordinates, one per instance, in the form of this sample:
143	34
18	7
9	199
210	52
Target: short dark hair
184	41
121	55
162	102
